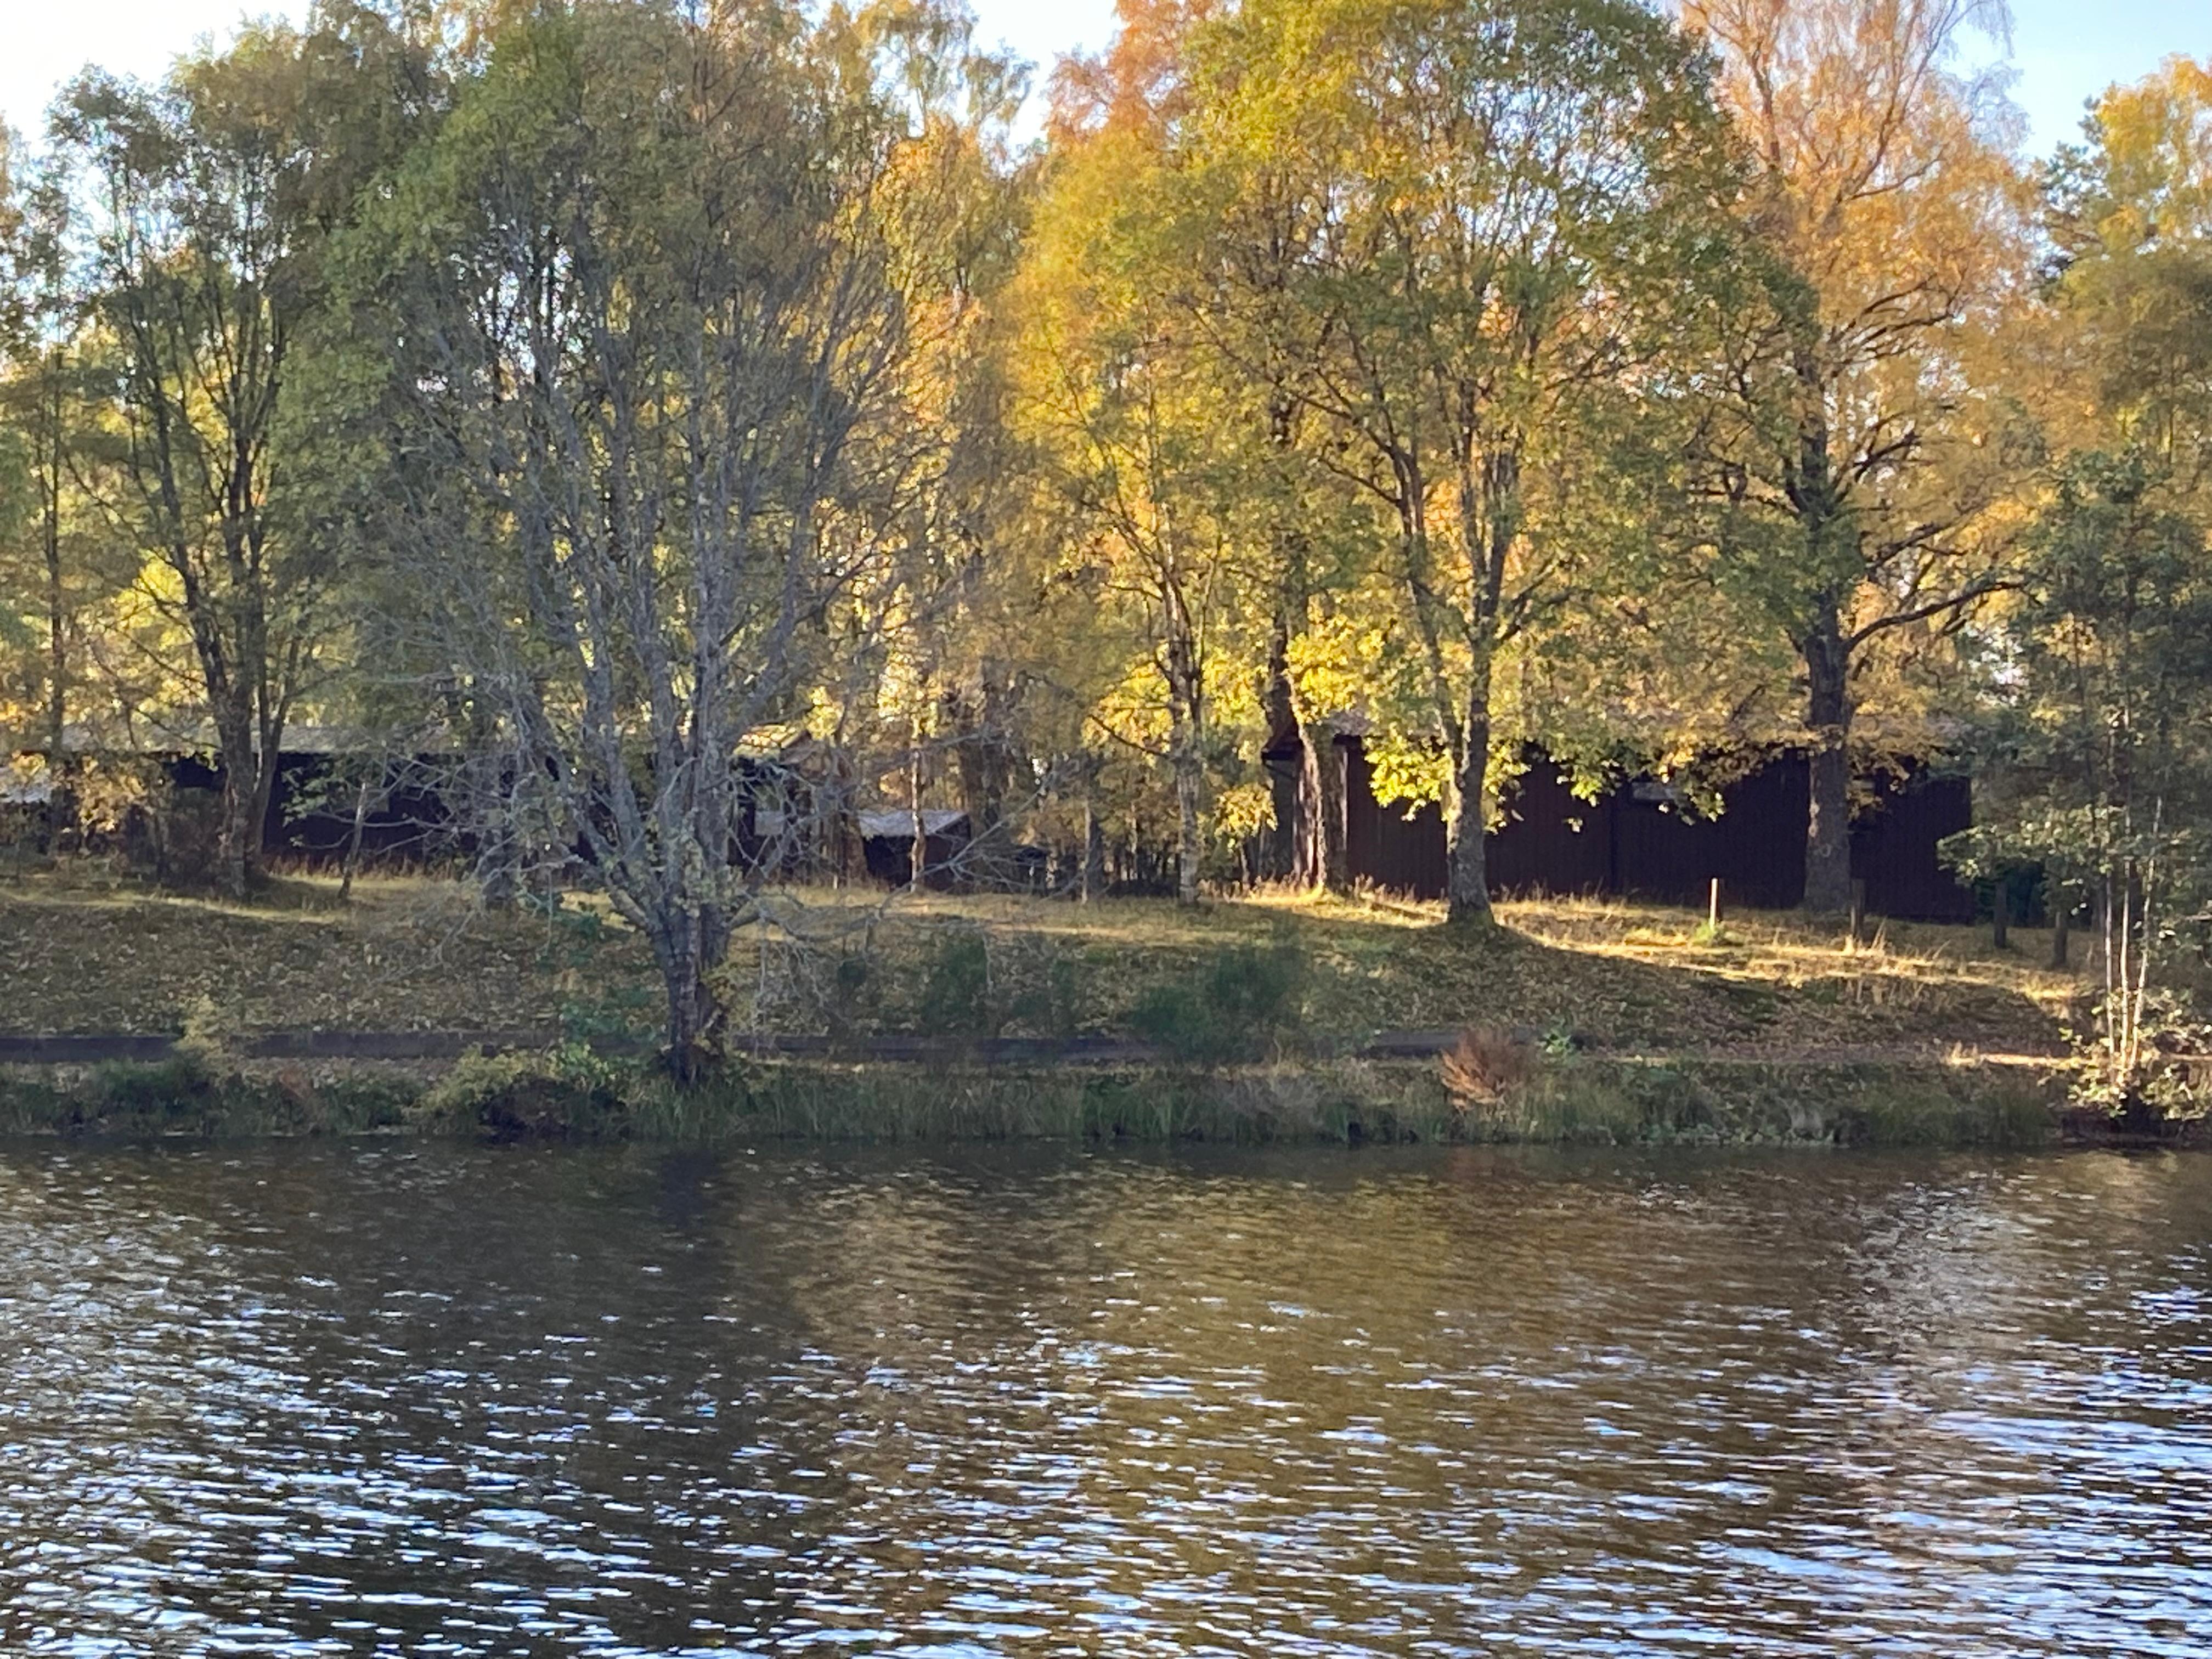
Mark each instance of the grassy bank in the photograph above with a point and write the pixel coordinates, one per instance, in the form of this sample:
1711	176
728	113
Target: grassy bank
1624	1023
84	951
573	1094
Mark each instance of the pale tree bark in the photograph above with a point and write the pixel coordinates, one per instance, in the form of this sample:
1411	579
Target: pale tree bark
1094	836
62	768
918	858
676	493
194	263
352	863
1467	884
1190	799
1828	721
1490	529
1183	667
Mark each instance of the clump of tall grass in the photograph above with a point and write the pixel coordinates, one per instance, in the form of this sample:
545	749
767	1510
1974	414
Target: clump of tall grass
1339	1103
563	1093
1969	1108
186	1095
1502	1088
1492	1087
549	1095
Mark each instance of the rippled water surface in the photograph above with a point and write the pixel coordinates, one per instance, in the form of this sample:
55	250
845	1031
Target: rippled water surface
424	1400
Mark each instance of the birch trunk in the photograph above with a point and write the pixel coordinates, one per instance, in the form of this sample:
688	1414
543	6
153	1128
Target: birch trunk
1828	806
1467	890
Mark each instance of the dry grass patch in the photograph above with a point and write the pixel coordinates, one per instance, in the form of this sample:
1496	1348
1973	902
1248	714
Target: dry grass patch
83	951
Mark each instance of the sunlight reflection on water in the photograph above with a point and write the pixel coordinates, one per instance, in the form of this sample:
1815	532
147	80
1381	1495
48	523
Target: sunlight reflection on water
428	1399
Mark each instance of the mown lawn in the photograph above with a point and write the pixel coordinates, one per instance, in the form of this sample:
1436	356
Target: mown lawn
81	951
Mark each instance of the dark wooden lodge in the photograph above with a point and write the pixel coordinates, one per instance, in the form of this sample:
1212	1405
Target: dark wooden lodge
1638	841
312	801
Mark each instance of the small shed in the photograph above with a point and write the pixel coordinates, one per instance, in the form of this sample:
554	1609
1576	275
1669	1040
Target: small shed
887	842
796	843
25	807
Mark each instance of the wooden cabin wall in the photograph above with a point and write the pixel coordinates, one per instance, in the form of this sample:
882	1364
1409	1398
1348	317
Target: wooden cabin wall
1894	851
1383	844
1633	842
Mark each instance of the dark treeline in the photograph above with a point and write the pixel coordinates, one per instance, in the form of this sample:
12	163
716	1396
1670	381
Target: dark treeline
689	426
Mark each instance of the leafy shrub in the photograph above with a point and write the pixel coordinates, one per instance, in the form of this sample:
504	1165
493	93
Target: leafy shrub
597	1003
567	1092
956	988
176	1086
851	977
1244	1003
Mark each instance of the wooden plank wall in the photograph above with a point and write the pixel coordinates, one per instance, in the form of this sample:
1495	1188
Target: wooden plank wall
1633	842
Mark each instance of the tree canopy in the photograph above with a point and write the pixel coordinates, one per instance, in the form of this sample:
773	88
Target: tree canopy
692	427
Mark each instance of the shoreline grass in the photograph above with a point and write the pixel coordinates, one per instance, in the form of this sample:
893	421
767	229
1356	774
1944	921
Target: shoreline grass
572	1094
1642	1027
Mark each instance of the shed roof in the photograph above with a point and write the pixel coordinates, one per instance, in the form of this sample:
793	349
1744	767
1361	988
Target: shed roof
885	824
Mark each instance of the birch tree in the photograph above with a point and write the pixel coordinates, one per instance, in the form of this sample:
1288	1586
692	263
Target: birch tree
1861	447
195	269
1130	431
1504	205
2096	738
645	328
42	415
